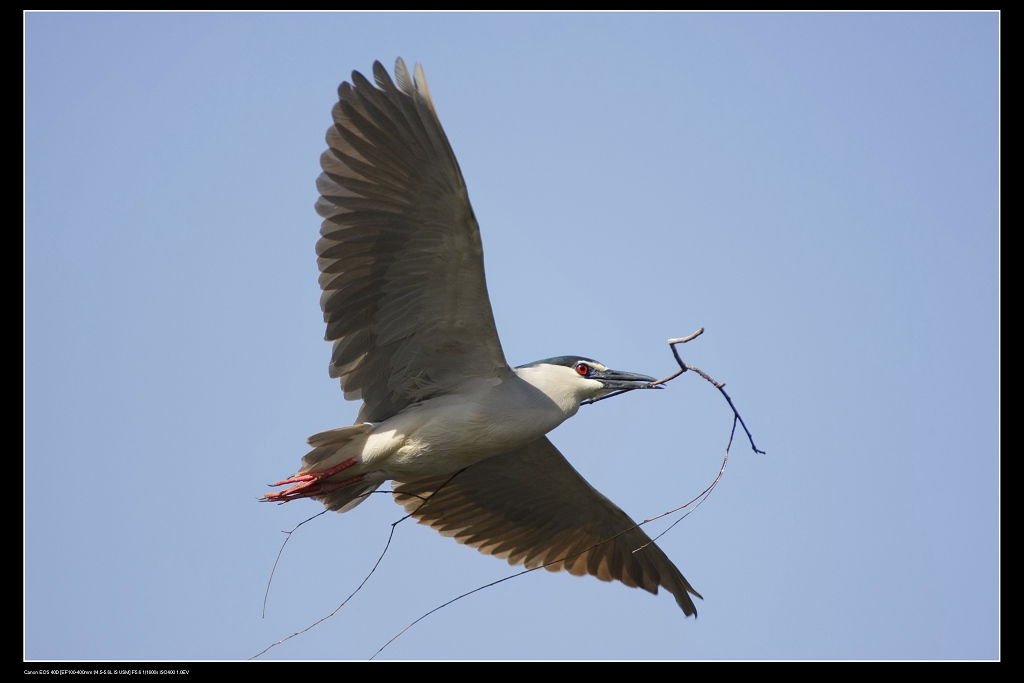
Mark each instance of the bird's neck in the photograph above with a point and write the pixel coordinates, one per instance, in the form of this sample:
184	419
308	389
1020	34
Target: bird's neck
564	395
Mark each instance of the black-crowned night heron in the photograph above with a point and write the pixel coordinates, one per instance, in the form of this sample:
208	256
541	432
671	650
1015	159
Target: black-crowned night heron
405	302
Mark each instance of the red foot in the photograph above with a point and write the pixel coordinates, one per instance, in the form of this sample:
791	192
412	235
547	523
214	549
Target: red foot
307	485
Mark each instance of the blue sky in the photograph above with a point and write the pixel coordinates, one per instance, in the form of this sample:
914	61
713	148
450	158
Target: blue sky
819	191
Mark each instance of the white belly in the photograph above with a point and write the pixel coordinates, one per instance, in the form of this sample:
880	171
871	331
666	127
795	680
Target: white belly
445	434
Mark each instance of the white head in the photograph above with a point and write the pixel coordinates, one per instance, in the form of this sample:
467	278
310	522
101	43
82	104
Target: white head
571	380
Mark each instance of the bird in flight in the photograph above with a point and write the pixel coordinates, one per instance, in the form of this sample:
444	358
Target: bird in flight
461	434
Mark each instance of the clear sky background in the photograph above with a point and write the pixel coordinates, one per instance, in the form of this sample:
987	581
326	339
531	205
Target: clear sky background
819	191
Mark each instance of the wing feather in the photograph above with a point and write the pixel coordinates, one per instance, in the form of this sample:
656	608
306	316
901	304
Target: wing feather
401	262
531	507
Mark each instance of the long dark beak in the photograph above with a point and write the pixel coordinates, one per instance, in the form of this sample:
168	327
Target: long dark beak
614	380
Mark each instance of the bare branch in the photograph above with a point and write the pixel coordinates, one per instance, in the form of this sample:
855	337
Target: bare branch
689	337
288	536
663	380
343	602
683	367
362	583
700	498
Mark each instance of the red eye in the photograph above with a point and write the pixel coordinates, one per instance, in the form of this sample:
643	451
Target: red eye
583	369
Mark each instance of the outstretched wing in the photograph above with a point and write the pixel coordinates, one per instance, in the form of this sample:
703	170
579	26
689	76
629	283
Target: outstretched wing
531	507
401	263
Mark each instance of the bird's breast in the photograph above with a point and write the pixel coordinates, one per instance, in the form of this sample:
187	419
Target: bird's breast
445	434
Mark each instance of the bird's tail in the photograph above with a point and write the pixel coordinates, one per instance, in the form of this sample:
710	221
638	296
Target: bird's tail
332	447
344	499
328	446
330	472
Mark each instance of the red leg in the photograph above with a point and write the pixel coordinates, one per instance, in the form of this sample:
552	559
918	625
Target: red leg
309	490
306	484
